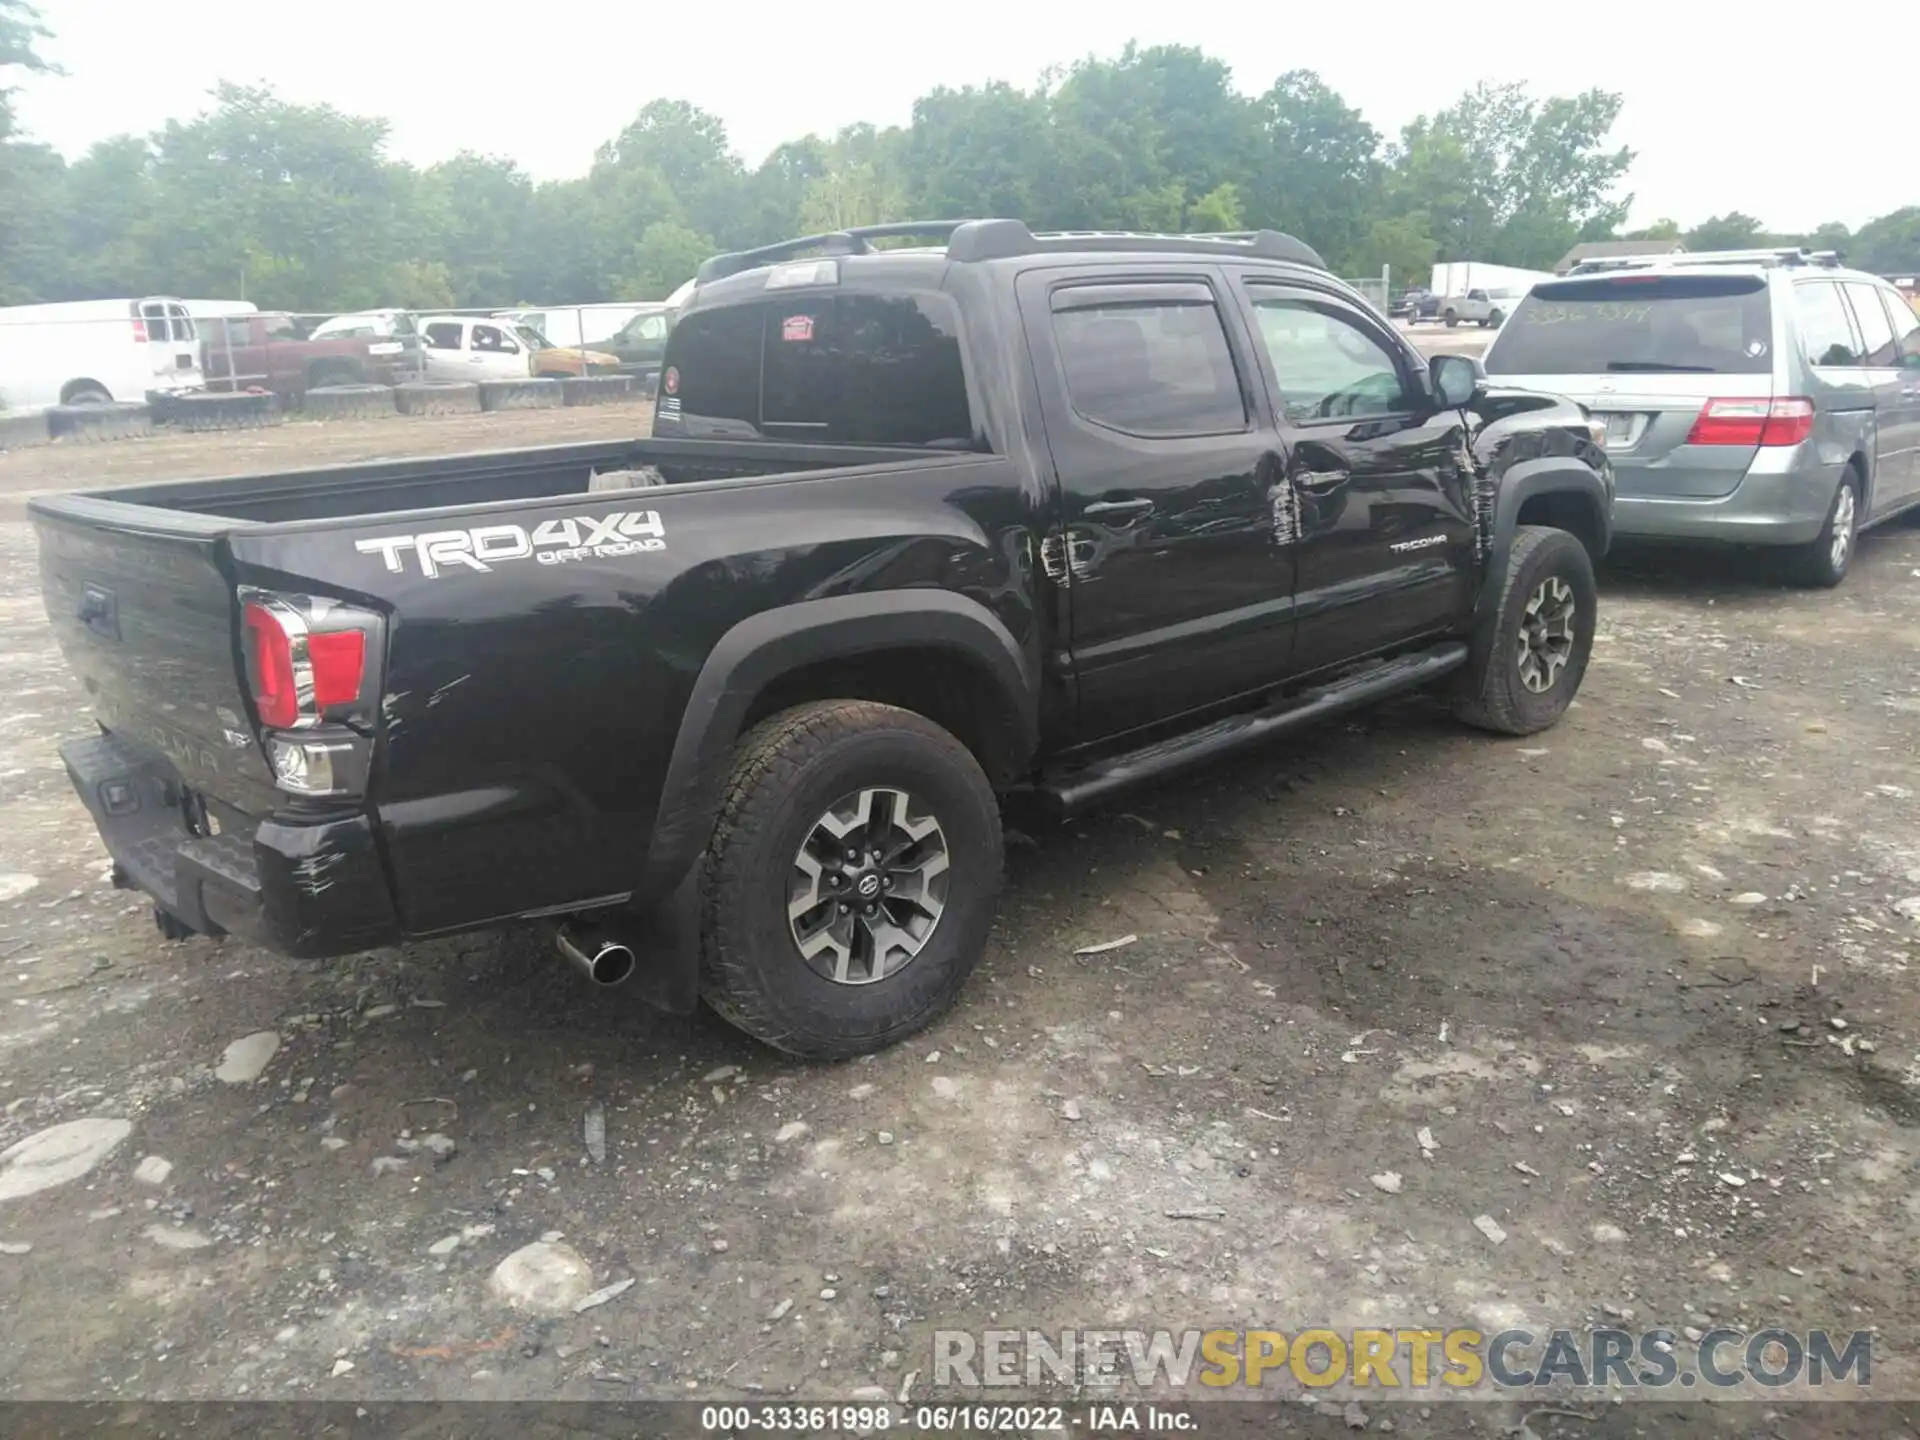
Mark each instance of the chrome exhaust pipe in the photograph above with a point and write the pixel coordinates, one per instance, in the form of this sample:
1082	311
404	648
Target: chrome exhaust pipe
603	960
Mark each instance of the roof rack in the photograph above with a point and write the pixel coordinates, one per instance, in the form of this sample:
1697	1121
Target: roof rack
970	241
1786	256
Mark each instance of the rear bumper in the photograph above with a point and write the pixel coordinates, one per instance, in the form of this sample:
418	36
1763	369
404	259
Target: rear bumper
1781	500
306	890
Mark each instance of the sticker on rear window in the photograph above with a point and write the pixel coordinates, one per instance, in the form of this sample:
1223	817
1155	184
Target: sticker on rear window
797	328
670	382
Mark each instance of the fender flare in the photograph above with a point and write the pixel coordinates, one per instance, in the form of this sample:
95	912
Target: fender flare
1545	475
762	648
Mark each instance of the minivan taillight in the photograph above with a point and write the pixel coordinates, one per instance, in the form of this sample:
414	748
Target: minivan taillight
1753	422
309	666
139	332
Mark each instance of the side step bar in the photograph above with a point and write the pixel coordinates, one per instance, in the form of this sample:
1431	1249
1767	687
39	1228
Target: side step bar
1068	791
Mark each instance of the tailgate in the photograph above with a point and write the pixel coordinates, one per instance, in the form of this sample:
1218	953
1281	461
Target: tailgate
146	620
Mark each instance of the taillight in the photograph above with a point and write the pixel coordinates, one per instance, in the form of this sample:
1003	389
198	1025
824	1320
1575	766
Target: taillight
307	664
1753	422
140	332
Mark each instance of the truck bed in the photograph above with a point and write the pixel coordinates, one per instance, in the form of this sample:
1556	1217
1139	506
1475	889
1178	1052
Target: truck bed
489	478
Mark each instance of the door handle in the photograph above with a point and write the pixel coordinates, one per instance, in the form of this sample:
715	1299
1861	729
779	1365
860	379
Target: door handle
1118	507
1320	481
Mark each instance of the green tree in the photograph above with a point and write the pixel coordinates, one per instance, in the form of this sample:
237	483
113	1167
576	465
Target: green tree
25	174
1732	231
1316	173
1889	245
862	183
665	258
981	152
20	35
1142	138
686	148
1509	179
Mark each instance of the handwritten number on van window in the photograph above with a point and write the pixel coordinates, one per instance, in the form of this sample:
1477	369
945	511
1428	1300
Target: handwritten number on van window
1613	312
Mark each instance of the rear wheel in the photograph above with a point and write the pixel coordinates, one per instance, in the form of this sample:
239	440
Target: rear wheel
87	393
1543	636
1493	320
851	879
1823	562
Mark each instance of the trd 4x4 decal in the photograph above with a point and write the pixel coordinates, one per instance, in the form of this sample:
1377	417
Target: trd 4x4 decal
551	542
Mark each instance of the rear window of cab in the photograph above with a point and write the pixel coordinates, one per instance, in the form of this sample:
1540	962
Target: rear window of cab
1709	324
844	368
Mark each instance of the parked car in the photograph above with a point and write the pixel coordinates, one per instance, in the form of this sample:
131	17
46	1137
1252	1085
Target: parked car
461	347
367	325
1768	401
575	326
267	351
641	343
93	352
1417	303
1027	518
1485	308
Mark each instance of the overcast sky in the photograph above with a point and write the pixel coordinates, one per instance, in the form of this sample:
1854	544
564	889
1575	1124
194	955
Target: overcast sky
1728	106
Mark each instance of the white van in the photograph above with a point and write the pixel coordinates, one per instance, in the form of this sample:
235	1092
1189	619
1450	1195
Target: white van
570	327
91	352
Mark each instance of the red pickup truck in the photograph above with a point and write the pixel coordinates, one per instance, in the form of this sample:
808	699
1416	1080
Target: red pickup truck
269	351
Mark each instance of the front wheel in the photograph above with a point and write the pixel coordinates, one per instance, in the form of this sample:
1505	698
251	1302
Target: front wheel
1823	563
1493	320
1452	319
1542	640
851	880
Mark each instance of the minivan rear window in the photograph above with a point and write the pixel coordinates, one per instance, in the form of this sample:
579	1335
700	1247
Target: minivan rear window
1711	324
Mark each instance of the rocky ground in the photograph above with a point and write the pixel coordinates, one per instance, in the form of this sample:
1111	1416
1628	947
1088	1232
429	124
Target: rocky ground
1411	1027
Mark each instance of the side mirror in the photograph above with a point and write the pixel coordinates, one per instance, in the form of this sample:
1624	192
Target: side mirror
1455	378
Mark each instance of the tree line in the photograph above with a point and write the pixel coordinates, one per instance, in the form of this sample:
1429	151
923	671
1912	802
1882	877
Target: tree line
299	206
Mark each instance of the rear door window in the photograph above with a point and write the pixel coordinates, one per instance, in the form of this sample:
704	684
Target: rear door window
1676	324
1159	368
441	335
1826	330
1906	328
1876	333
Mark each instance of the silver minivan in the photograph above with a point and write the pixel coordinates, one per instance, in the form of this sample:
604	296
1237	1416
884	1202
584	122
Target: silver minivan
1764	398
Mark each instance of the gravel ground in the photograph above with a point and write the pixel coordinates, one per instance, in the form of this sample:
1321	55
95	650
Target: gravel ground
1641	981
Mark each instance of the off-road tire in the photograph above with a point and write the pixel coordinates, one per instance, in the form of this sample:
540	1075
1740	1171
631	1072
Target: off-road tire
530	394
334	374
222	410
437	397
91	424
348	402
1812	565
18	432
787	772
1492	695
596	389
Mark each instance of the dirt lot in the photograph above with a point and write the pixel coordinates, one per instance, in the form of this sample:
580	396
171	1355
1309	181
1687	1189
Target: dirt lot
1606	970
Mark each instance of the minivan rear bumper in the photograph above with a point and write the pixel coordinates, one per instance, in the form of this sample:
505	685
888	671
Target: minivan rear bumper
305	890
1782	500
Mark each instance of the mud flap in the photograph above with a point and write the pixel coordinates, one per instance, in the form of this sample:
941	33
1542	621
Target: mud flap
667	946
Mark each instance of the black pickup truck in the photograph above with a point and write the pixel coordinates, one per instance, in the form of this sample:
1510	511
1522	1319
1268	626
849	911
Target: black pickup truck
921	529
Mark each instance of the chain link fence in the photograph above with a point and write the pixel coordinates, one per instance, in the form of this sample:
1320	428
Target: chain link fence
129	351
